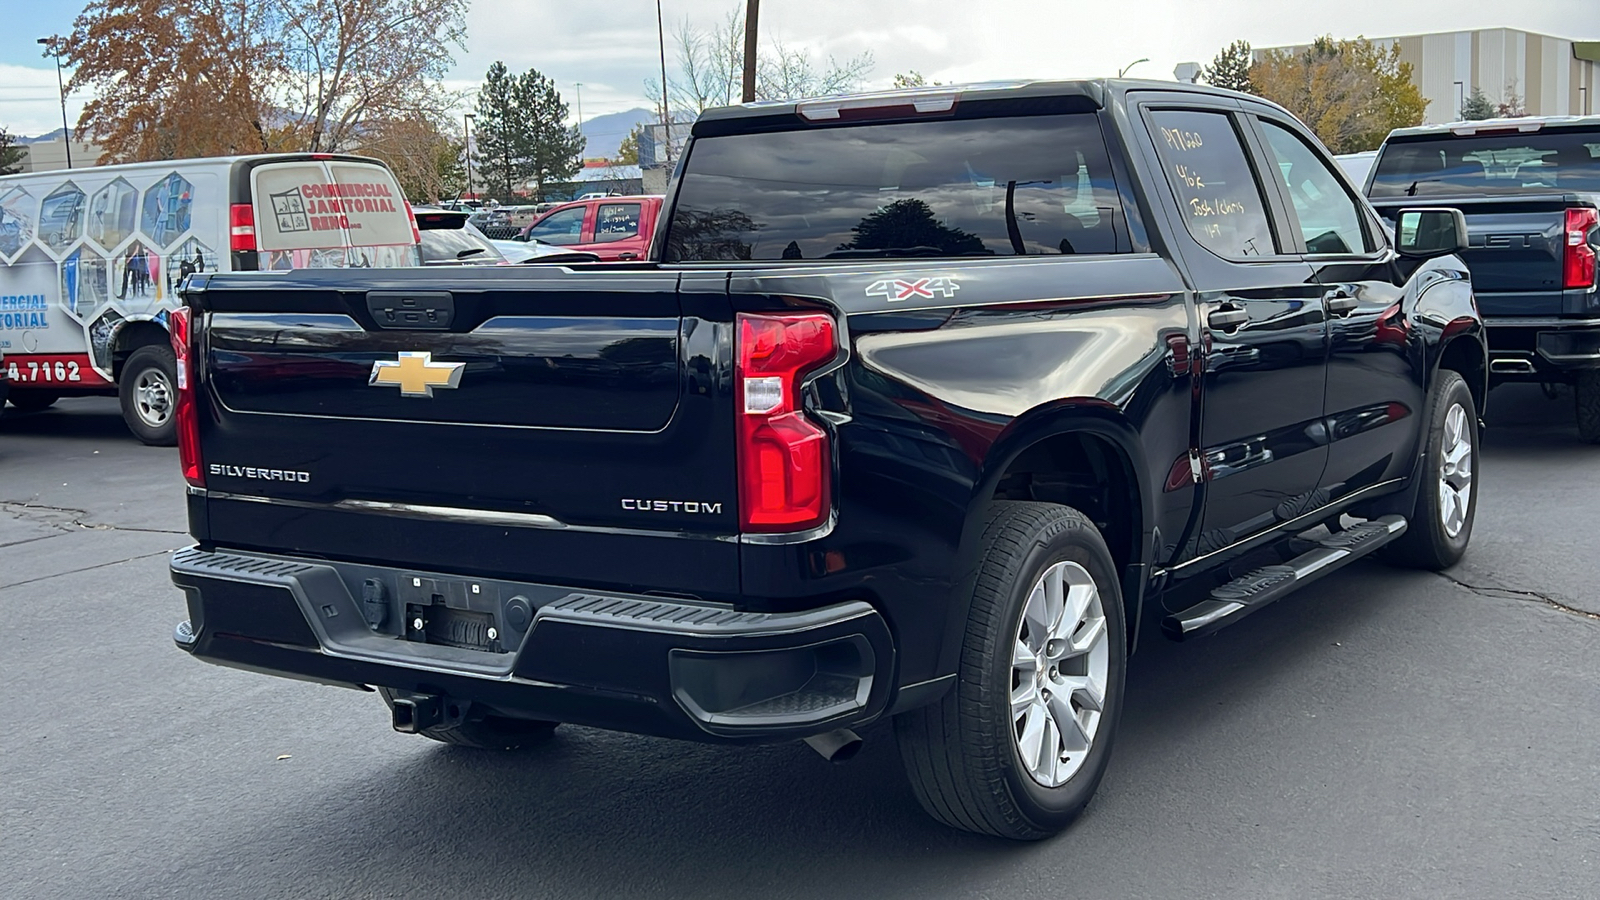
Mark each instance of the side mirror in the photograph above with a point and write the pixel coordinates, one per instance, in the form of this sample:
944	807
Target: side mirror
1426	233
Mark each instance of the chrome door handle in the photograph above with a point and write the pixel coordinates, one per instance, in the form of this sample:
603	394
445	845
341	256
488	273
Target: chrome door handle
1340	303
1227	318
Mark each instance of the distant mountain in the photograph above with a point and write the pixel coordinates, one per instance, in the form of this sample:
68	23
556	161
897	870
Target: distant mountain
606	133
41	139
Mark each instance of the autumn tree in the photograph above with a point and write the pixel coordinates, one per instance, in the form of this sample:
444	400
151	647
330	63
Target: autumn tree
522	133
425	159
710	69
11	153
1477	107
175	78
1231	68
628	153
184	78
1351	93
351	62
912	79
1511	104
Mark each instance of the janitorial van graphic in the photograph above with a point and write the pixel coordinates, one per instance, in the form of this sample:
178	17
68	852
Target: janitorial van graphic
91	260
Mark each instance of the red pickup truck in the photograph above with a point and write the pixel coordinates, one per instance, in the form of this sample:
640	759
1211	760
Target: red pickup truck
612	228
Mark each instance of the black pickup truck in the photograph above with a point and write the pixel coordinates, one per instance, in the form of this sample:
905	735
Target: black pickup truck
1529	188
927	405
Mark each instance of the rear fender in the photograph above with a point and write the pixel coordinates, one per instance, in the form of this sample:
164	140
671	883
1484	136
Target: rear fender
1085	416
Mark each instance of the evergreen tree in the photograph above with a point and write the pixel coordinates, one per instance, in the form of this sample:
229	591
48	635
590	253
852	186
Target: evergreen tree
523	134
1477	107
1231	68
501	135
555	149
11	154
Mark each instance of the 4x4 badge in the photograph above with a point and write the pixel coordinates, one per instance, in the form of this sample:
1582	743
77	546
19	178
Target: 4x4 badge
416	374
895	289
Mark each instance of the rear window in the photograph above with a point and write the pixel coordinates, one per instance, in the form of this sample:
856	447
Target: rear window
949	188
316	214
1538	162
464	244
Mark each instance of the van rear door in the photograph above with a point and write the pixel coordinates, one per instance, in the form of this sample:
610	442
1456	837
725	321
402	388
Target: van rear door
330	213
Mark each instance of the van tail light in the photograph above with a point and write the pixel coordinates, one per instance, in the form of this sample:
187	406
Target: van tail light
241	228
1579	262
186	417
785	460
416	233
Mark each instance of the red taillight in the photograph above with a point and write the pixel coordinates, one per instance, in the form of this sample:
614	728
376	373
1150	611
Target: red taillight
241	228
186	417
416	234
785	460
1579	261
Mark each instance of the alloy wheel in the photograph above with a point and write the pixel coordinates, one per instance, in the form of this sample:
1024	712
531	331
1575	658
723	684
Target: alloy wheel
1455	471
1060	664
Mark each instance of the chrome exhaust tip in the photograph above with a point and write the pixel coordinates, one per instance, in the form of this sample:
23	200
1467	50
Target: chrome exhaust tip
840	745
1512	366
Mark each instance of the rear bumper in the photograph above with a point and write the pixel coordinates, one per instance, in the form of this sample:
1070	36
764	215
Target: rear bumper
1541	349
628	663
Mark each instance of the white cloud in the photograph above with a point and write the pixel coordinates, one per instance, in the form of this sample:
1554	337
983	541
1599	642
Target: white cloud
30	104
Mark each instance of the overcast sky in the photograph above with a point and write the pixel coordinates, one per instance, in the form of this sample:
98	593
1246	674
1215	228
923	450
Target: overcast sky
610	47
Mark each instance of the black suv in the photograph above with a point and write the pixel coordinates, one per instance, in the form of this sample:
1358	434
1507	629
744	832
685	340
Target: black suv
933	405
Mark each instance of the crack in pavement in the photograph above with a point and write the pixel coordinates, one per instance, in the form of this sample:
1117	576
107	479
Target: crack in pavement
31	512
1501	593
103	565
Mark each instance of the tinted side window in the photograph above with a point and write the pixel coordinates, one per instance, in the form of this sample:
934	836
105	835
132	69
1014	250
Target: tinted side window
564	227
1330	222
1205	164
616	222
1016	186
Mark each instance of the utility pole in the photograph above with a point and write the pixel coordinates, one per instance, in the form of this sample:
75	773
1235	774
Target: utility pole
752	11
579	86
66	130
466	121
666	112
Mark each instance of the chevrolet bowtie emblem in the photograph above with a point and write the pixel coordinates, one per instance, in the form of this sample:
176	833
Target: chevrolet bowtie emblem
416	374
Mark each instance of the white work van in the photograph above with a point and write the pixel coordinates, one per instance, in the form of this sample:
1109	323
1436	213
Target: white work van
91	260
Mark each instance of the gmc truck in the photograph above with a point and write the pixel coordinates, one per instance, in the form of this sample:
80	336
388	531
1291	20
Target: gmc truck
1529	188
927	405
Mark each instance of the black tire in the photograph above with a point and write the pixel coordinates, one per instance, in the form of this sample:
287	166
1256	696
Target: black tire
1587	395
485	732
150	414
961	754
26	400
1428	543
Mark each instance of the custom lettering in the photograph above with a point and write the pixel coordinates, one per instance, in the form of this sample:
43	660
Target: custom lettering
677	506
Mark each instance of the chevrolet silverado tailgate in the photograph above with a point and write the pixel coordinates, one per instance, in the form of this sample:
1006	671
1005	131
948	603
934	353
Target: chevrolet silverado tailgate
531	423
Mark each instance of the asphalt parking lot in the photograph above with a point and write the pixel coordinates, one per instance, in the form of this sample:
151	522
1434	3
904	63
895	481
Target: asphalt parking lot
1382	734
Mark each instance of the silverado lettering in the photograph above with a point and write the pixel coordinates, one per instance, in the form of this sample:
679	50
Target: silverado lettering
259	473
988	395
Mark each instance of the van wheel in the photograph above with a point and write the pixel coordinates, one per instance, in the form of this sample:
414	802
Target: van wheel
1587	393
148	387
484	732
1018	746
32	401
